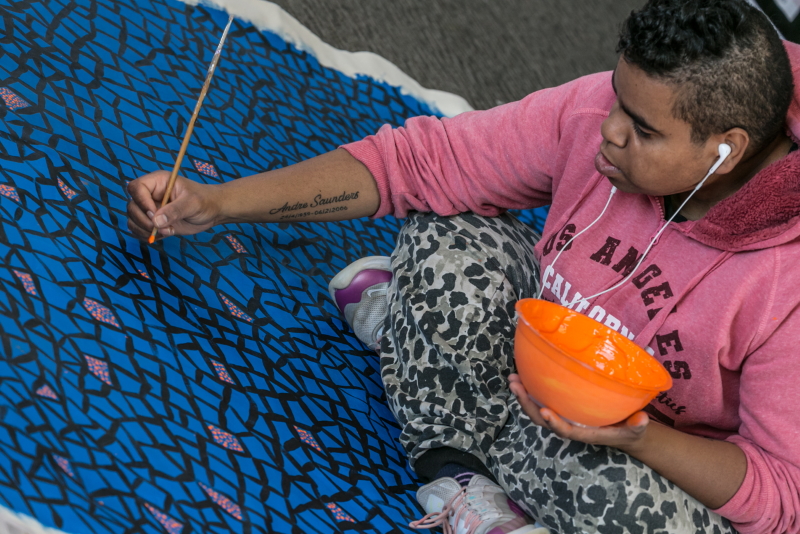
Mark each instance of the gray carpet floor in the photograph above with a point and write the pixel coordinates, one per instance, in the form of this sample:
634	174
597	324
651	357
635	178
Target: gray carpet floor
487	51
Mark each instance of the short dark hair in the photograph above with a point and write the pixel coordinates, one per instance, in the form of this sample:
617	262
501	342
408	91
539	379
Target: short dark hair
724	57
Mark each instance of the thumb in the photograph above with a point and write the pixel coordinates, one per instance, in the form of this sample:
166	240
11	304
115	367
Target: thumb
175	211
638	422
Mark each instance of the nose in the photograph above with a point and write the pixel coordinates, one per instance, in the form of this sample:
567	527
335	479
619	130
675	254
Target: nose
613	128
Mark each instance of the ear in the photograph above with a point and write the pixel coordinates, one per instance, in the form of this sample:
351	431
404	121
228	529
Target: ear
739	140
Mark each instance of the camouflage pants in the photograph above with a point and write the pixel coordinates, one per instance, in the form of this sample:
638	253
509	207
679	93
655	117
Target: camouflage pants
445	359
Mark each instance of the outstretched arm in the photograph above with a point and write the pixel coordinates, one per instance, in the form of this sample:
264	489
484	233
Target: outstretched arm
331	187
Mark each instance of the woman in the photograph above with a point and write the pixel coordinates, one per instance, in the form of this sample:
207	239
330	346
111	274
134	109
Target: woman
714	298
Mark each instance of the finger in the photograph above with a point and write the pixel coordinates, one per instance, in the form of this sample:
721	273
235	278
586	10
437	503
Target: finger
139	217
148	190
143	193
606	435
518	389
556	423
167	231
530	408
527	403
515	383
137	231
144	235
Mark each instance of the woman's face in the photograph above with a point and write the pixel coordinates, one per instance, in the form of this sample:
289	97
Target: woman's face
645	149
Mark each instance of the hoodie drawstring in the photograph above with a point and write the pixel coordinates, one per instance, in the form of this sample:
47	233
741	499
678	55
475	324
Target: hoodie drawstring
646	335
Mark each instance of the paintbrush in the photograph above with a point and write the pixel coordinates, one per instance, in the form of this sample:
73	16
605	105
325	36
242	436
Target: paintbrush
189	129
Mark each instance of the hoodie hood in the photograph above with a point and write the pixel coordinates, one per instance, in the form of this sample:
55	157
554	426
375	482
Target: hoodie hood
766	211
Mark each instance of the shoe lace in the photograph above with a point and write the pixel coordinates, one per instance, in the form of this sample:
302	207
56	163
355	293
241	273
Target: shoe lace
376	345
456	507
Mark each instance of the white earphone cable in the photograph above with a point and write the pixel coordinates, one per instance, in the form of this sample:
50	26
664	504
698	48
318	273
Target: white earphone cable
724	152
566	245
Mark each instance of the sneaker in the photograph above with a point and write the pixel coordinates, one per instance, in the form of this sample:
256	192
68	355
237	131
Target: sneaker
481	507
359	292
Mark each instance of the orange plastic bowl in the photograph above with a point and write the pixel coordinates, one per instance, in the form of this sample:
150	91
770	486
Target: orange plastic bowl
581	369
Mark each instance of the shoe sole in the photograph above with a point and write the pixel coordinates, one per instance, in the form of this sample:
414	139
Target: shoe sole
530	529
343	279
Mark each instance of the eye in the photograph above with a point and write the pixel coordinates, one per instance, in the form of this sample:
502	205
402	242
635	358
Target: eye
641	133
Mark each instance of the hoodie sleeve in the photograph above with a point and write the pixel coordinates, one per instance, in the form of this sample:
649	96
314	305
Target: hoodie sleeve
481	161
768	500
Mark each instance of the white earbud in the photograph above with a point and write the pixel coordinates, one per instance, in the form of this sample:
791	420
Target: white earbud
724	152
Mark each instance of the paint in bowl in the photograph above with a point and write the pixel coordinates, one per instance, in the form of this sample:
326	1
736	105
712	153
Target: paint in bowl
581	369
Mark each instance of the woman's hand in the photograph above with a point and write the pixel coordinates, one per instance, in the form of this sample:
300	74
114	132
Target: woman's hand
193	207
626	435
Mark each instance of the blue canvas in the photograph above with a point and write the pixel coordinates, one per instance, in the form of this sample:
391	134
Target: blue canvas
202	384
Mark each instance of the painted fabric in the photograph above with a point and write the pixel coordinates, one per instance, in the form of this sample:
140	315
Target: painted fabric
445	361
203	384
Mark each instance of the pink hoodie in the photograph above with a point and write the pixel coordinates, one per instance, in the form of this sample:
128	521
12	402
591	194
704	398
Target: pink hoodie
716	300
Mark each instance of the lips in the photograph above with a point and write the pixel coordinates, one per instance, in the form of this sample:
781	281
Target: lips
604	166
